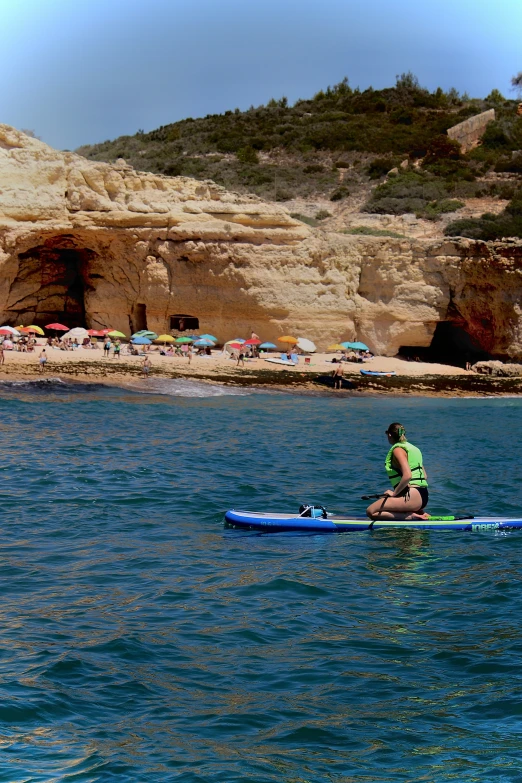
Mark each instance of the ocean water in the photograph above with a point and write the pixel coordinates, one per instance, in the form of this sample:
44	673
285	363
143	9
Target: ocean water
141	641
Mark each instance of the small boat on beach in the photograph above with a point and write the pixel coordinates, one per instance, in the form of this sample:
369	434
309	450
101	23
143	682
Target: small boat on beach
346	523
280	361
378	373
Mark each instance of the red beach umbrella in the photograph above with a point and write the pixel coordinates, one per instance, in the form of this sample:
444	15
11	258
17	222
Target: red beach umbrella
95	333
5	332
57	327
235	345
252	341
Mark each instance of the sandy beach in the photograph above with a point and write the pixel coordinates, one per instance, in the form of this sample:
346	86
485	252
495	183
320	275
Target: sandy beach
418	378
92	363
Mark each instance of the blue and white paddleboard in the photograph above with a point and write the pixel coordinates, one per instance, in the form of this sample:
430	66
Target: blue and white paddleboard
253	520
378	373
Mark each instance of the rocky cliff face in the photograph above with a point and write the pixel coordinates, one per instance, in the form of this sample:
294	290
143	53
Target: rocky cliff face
101	245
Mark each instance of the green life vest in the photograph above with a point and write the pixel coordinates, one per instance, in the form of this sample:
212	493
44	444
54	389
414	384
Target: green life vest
414	461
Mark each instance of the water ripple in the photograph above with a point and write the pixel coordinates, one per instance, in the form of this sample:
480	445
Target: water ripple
140	640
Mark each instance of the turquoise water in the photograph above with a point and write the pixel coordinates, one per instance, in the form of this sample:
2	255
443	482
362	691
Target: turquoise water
141	641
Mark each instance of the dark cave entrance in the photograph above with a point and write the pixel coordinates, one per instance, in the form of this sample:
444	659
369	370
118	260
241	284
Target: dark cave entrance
138	318
51	283
184	323
450	344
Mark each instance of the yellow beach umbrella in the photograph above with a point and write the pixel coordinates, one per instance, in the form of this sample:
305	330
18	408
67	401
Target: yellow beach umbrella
335	347
165	338
288	339
115	333
32	328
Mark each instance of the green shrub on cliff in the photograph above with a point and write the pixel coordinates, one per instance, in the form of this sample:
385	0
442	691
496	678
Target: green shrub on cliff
488	227
413	191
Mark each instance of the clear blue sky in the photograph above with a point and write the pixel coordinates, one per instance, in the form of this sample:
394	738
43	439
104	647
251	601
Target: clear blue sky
82	71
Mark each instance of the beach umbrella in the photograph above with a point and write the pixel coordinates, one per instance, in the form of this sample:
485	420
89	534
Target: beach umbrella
78	332
268	345
165	338
204	344
287	339
208	337
113	333
141	341
11	330
145	333
235	346
355	346
35	329
336	347
237	340
252	341
184	340
306	345
5	333
57	327
95	333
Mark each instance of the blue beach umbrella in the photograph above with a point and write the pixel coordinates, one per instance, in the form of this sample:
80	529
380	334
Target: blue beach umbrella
141	341
356	346
268	345
145	333
204	344
208	337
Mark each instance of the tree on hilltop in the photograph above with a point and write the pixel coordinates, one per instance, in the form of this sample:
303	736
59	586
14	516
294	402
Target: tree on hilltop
516	83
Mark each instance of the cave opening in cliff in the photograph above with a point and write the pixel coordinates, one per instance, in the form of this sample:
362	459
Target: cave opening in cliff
450	344
138	318
184	323
50	284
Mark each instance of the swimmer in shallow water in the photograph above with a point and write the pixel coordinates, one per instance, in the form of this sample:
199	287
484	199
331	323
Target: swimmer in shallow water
405	469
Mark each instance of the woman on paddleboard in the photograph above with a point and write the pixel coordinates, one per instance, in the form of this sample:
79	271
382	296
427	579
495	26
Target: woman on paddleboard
405	469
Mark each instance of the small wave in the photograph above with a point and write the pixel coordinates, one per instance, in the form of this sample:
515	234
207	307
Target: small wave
38	383
187	388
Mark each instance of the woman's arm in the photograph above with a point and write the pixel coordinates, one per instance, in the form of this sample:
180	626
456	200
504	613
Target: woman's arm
401	458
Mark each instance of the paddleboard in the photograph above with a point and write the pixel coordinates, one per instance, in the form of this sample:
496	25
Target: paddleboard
339	523
378	373
280	361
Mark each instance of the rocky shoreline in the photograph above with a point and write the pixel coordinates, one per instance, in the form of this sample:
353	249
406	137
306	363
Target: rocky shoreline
258	378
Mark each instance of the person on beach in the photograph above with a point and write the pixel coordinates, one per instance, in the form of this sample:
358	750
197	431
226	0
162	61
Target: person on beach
337	375
2	355
145	367
117	349
42	361
405	469
241	359
107	347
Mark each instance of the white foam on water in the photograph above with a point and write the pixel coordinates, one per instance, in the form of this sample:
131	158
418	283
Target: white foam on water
186	388
34	382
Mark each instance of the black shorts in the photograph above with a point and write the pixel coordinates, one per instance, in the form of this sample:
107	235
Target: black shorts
423	491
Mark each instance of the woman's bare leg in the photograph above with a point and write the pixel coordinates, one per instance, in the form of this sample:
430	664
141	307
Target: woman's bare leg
397	508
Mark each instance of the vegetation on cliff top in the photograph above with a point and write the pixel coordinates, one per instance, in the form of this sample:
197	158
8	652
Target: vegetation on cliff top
337	142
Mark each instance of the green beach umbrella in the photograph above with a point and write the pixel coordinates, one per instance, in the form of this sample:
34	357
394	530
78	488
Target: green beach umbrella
184	340
115	333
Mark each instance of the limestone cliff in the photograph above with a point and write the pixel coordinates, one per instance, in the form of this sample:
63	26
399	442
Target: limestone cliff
104	245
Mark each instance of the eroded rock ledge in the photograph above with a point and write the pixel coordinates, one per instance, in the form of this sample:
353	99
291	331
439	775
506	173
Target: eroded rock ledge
102	244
